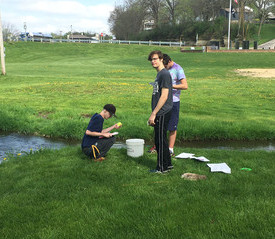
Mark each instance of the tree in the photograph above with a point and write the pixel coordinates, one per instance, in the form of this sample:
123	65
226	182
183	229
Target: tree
185	12
175	19
243	27
263	7
171	6
116	21
9	31
154	7
208	10
127	20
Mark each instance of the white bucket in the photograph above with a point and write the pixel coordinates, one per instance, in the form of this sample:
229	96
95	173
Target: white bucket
135	147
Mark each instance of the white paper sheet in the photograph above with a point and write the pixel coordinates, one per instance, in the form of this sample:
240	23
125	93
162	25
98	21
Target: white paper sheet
114	133
184	156
219	167
201	158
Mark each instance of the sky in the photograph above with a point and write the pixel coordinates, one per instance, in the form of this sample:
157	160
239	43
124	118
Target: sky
58	16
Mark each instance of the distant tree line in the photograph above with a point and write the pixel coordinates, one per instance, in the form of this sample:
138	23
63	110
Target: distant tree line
185	19
9	31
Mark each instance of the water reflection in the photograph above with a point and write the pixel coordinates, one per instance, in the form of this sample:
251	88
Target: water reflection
14	144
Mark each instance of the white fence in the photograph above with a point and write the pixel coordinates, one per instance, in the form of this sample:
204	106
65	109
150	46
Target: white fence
159	43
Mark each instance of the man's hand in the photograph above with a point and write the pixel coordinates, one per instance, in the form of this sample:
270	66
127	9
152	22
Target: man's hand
161	102
151	120
118	125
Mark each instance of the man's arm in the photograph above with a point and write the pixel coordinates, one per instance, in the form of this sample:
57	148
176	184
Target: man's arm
104	133
108	129
161	102
99	134
115	126
182	86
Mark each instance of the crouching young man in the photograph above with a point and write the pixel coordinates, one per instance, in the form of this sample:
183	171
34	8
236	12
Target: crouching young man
97	141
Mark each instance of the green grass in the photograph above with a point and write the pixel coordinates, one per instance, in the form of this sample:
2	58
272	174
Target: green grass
53	89
57	194
267	33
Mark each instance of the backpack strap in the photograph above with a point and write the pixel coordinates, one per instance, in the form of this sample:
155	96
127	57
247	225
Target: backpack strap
95	149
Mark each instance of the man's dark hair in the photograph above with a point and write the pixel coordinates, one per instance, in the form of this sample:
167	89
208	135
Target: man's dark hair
166	59
159	53
111	109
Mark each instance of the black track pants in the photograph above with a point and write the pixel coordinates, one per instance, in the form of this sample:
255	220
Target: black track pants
161	142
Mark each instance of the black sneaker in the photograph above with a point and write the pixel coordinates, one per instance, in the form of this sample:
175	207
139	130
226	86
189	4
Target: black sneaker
158	171
170	167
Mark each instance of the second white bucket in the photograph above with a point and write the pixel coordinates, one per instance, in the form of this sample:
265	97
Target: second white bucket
135	147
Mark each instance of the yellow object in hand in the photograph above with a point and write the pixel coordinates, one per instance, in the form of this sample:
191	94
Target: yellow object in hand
119	124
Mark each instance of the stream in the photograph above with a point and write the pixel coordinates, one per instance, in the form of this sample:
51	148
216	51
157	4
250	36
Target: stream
14	144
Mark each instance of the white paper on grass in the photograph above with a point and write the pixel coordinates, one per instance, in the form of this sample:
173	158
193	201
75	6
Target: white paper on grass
219	167
114	133
184	156
201	158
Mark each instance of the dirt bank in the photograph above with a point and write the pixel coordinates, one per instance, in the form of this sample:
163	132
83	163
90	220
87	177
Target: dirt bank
262	73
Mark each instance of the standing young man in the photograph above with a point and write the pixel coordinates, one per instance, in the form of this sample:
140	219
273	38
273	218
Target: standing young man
179	83
162	103
97	141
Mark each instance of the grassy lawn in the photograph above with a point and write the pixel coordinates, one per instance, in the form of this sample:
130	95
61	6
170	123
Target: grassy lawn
59	195
53	89
267	33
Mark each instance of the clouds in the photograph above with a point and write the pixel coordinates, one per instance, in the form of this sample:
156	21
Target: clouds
55	16
72	8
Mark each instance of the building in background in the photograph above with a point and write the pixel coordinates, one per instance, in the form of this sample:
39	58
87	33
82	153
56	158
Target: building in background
248	14
35	36
148	24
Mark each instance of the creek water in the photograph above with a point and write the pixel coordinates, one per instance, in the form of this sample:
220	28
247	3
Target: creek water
14	144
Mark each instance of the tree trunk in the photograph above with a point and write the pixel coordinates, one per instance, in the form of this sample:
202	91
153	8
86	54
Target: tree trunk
241	30
260	27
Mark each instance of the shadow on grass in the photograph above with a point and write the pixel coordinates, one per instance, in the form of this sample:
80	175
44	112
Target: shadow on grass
149	161
146	160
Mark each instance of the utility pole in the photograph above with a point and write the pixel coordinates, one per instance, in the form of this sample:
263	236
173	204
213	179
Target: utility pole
229	23
2	49
25	27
